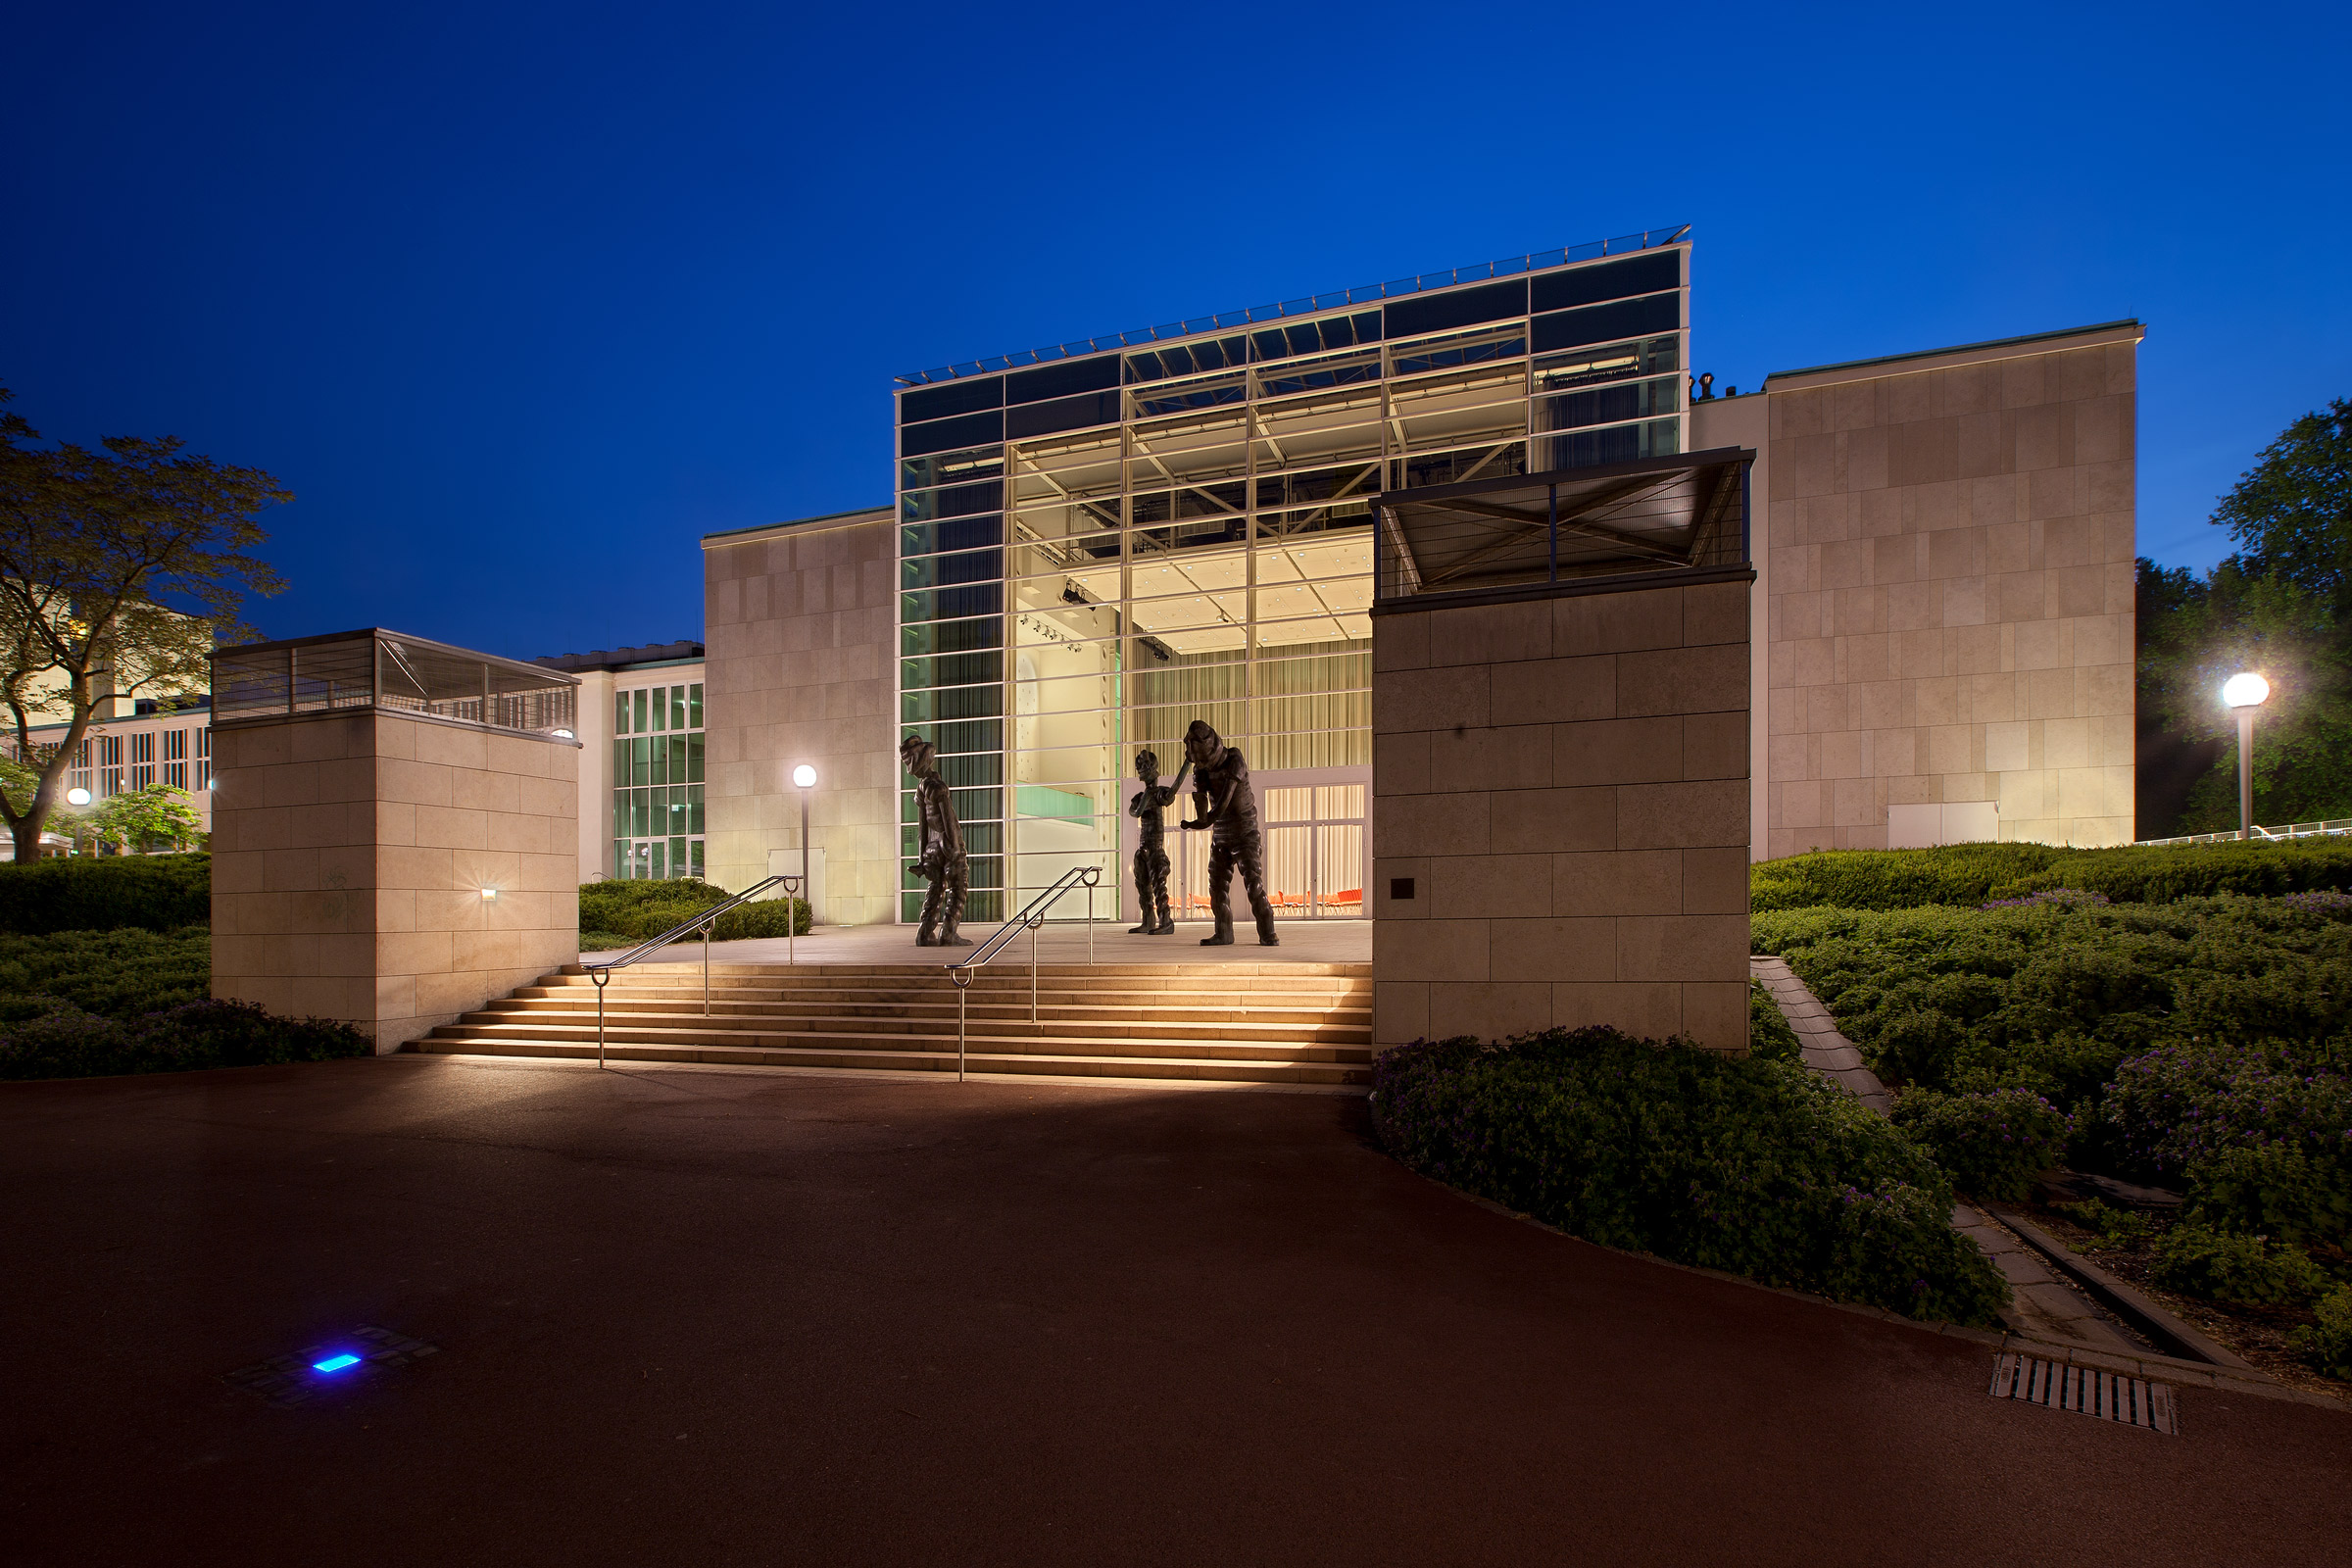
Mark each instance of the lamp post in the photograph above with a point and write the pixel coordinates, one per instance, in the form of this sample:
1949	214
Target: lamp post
2245	693
805	777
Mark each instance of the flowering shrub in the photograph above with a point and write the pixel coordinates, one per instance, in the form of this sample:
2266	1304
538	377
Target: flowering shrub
2328	1343
68	1043
1992	1144
2061	897
1749	1165
2338	904
2246	1270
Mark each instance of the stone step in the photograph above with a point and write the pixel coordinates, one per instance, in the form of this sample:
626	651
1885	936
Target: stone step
691	978
865	1038
1220	972
992	1062
1049	1009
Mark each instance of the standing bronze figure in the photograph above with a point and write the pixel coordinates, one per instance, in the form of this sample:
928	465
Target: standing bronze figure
1151	845
1224	804
942	859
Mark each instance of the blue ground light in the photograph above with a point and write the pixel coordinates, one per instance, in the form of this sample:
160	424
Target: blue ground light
335	1364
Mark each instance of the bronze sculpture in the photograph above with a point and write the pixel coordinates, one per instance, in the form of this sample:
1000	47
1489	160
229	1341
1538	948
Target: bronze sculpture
1224	804
1151	846
942	859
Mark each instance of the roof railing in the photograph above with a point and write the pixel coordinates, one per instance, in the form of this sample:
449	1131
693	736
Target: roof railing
1308	305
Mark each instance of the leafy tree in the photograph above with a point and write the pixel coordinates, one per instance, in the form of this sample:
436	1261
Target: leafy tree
2281	604
119	568
137	819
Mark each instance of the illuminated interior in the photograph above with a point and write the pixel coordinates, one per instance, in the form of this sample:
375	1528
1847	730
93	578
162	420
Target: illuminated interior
1104	547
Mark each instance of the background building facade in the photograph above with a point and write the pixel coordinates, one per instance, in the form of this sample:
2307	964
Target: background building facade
1944	547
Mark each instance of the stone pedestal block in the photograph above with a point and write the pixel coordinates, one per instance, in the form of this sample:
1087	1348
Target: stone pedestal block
389	870
1560	834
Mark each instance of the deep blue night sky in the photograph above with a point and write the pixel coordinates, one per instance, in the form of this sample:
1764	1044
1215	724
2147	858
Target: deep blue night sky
523	300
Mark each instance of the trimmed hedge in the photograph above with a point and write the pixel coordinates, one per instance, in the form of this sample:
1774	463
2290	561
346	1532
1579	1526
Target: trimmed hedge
116	974
1971	875
70	1044
2055	997
108	892
1745	1164
622	915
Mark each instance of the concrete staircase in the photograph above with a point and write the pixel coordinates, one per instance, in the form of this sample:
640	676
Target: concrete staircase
1269	1023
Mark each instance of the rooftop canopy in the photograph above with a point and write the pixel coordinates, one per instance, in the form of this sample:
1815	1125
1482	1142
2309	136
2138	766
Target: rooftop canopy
392	671
1541	530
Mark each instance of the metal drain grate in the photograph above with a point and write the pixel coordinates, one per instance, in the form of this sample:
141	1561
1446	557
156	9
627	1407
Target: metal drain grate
2086	1390
289	1380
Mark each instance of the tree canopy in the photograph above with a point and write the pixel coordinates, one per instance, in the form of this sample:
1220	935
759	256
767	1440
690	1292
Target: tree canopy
120	568
2281	604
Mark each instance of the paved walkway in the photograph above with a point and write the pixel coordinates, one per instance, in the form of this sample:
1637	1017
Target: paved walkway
1302	942
727	1317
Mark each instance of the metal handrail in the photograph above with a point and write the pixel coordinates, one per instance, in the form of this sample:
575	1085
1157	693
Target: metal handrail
1030	916
602	973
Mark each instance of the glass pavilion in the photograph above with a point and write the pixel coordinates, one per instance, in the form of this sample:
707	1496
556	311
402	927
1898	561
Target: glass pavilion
1103	541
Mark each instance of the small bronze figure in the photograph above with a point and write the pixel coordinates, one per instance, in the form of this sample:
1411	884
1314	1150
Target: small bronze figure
1225	804
941	859
1151	844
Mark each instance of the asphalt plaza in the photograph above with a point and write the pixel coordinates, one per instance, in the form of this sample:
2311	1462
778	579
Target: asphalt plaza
735	1316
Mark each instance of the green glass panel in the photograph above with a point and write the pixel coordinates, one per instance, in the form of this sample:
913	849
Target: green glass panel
641	760
620	860
620	814
694	808
694	705
693	758
677	857
677	760
658	863
637	702
621	712
697	847
677	708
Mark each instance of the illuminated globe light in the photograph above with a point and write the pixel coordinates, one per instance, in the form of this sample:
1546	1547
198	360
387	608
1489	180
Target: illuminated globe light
565	735
804	775
78	797
2246	691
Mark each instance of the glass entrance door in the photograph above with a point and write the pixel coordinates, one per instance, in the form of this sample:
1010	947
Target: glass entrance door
1315	846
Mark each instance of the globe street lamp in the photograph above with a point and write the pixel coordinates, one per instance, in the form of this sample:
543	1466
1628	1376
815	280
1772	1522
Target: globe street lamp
78	797
2245	693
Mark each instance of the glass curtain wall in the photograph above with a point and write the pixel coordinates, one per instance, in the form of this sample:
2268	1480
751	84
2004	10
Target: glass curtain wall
1093	553
657	782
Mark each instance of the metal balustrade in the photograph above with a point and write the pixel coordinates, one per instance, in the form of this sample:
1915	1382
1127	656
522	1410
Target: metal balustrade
1030	916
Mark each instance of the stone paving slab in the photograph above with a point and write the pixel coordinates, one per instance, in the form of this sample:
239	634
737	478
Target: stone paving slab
1826	1051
